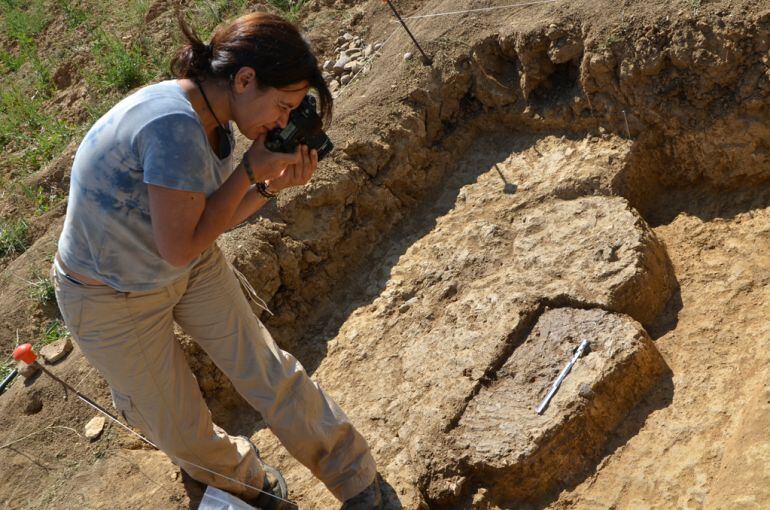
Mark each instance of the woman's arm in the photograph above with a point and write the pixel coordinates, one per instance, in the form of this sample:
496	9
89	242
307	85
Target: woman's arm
185	223
251	203
292	175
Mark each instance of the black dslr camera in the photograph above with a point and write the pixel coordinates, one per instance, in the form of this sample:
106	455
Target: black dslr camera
304	127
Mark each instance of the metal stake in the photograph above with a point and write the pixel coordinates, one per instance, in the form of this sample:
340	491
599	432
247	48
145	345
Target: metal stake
426	60
562	375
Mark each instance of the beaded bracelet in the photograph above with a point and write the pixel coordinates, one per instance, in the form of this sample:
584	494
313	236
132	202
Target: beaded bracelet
247	167
261	188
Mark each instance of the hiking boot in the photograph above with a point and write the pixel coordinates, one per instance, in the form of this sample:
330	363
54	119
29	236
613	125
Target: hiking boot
368	499
275	487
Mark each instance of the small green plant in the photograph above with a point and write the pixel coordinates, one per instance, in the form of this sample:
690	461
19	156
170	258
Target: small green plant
289	8
40	199
56	330
9	62
14	237
6	368
29	135
73	15
121	68
23	20
42	289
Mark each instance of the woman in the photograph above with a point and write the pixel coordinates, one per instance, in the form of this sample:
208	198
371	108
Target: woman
152	187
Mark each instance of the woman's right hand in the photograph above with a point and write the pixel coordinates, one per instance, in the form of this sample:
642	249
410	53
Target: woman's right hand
267	164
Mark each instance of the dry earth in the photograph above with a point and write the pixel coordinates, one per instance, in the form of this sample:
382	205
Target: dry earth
590	169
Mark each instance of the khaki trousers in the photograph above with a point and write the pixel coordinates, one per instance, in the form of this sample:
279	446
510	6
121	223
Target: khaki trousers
128	337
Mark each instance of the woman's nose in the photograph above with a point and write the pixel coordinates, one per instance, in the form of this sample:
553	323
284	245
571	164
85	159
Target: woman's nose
283	120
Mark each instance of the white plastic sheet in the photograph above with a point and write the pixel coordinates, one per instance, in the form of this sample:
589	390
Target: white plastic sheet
215	499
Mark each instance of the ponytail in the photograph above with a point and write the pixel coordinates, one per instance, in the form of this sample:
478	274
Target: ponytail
193	60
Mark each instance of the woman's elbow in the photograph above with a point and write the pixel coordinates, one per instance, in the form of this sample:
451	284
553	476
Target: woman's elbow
175	256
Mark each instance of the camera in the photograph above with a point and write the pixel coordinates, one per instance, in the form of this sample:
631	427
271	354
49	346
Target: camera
304	127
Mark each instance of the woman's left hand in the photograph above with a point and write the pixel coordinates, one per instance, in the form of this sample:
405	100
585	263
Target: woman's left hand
297	174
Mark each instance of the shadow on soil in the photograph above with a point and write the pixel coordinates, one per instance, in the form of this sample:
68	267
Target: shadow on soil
660	397
367	283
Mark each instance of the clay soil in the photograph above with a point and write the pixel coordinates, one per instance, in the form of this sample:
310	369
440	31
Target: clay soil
568	169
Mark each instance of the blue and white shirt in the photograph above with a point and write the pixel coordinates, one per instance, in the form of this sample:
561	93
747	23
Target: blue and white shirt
154	136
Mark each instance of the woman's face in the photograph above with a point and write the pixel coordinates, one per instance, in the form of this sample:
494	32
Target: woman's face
256	111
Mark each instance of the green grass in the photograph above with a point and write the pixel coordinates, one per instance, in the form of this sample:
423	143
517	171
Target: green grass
289	8
120	68
6	368
23	20
10	63
56	330
42	289
14	237
73	15
38	198
29	135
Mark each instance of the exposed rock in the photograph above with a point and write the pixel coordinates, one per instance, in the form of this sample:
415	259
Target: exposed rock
346	79
459	300
94	427
339	66
368	50
328	65
56	351
353	66
522	454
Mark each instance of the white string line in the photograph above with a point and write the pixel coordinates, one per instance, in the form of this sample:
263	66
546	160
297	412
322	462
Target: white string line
480	9
140	436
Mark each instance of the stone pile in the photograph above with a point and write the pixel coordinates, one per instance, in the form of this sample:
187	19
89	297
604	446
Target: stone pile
351	57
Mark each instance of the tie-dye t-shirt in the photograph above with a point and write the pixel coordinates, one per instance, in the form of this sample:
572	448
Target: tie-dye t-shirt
151	137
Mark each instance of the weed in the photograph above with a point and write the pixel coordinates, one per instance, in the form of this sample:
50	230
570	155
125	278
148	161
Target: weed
23	20
42	289
289	8
56	330
38	198
6	368
29	134
14	237
121	68
74	16
9	62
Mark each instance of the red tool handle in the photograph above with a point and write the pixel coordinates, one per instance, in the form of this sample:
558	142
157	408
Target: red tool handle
25	353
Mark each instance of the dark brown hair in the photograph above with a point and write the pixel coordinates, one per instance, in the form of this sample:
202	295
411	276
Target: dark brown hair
267	43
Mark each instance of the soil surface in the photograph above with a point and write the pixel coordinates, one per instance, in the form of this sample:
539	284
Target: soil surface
589	169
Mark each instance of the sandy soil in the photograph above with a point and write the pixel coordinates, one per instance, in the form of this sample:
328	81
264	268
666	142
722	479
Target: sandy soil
697	173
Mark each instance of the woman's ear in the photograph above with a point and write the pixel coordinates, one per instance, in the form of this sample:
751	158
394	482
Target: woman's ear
243	79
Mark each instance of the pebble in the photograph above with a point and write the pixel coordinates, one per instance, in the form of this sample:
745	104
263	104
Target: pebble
339	66
347	36
94	427
328	65
377	46
368	50
407	55
346	79
56	351
334	86
353	66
